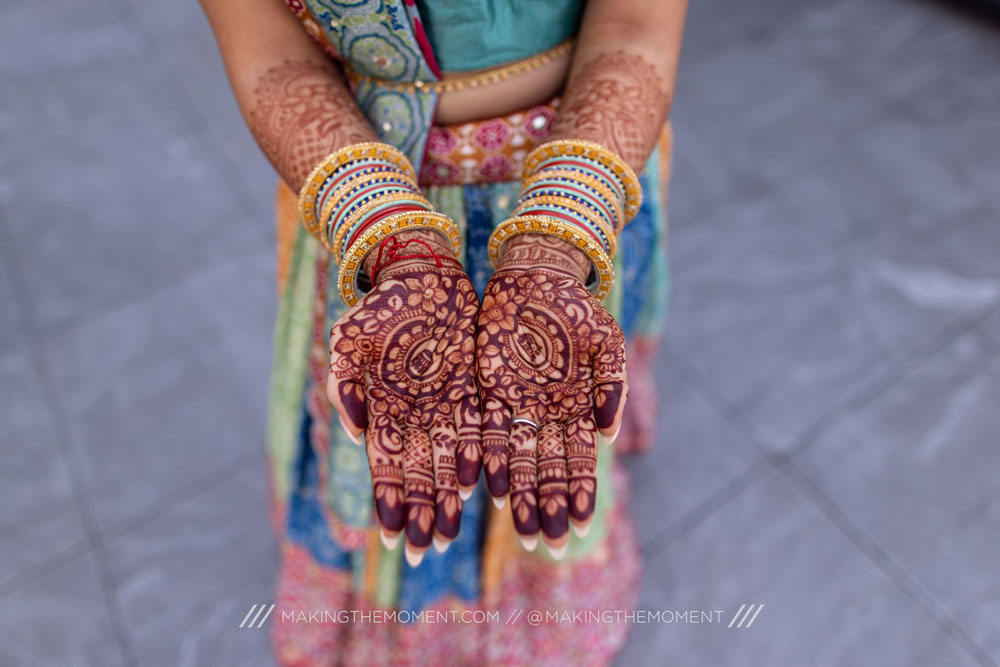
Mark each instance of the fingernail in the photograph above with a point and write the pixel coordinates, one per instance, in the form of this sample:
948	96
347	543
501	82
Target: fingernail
355	439
499	502
610	441
465	494
441	545
530	542
388	541
413	557
557	552
581	531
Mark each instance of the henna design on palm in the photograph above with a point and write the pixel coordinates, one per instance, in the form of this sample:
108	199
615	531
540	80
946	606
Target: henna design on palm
401	373
547	351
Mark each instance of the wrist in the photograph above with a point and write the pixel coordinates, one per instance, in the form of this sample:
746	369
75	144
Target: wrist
406	251
542	251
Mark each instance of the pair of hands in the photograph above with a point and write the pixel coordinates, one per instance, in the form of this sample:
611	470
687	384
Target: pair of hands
440	386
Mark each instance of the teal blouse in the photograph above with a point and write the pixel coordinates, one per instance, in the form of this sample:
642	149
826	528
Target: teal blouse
473	35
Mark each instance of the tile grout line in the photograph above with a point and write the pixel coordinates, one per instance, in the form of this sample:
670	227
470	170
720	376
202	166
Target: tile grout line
887	378
189	491
81	495
755	473
842	521
172	499
131	297
170	84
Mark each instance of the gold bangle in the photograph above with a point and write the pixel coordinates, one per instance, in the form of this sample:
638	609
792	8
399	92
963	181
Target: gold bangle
367	208
333	161
462	82
350	267
594	151
572	204
538	224
324	220
610	198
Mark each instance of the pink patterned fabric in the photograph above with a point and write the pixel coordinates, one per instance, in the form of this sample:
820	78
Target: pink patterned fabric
485	151
607	579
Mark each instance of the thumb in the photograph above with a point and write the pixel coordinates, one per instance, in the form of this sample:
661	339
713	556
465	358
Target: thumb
345	381
609	404
611	390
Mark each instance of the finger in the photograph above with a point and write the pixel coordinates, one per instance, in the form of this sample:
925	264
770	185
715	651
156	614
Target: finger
345	381
553	490
610	380
418	490
581	463
385	458
496	431
448	511
522	449
469	424
609	405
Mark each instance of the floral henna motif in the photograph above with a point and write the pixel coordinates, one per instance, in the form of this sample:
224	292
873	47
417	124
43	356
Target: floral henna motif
547	352
401	372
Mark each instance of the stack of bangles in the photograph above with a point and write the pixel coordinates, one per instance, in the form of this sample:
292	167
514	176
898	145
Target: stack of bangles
357	198
579	191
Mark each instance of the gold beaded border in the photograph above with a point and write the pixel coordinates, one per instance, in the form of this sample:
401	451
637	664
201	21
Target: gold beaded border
594	151
461	83
350	268
537	224
333	161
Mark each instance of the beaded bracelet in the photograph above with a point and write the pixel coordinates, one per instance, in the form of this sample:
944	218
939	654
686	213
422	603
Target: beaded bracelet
592	157
579	183
572	212
324	177
360	195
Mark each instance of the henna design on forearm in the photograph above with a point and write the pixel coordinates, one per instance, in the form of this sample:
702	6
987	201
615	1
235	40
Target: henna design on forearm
619	100
401	370
547	351
304	112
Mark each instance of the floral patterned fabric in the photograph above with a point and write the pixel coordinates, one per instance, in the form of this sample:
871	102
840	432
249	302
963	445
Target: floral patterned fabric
486	151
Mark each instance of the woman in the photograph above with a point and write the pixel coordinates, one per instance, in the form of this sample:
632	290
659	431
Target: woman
390	250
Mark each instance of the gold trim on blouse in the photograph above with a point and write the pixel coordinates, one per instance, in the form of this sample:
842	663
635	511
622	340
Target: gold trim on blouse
479	80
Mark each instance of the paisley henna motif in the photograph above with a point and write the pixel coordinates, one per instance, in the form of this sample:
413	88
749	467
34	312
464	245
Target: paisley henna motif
548	352
401	372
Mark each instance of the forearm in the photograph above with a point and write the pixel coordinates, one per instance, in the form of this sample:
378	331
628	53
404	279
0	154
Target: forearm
293	98
622	78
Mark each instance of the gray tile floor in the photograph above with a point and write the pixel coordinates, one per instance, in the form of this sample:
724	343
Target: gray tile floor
831	375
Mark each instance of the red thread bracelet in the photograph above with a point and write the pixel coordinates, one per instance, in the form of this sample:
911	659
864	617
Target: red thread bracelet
391	246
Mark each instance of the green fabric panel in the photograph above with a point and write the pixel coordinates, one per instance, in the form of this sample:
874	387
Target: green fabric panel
292	336
474	35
